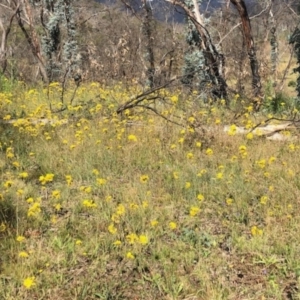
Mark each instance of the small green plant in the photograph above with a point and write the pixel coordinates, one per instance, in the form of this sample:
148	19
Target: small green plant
6	85
279	103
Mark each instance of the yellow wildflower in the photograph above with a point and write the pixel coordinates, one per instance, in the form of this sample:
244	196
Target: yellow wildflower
132	238
175	175
229	201
57	207
46	178
112	229
120	210
263	199
69	179
143	239
232	130
200	197
30	200
23	175
20	238
132	138
189	155
144	178
23	254
256	231
117	243
243	151
2	227
101	181
34	209
209	152
172	225
8	183
95	172
154	223
261	163
249	136
194	210
29	282
292	147
219	175
89	203
187	185
129	255
56	194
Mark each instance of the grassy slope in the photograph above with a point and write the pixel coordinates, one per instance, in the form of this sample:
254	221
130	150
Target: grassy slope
139	208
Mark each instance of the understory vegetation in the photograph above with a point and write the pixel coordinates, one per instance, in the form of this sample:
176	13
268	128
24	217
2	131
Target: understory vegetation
100	205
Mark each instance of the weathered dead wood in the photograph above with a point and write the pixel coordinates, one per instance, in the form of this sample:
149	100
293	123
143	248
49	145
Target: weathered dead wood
246	26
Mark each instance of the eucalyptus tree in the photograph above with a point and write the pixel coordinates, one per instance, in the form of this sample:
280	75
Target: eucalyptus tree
247	31
295	40
7	16
203	61
147	34
55	45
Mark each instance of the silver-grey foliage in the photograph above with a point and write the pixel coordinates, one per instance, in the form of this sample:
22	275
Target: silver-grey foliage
59	41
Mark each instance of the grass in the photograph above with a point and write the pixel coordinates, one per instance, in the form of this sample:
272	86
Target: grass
134	207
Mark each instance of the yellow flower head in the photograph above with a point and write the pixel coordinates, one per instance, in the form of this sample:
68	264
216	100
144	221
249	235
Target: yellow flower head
56	194
112	229
2	227
256	231
249	136
261	163
20	238
69	179
189	155
46	178
34	210
23	254
120	210
23	175
209	152
29	282
154	223
187	185
132	138
200	197
219	175
132	238
229	201
172	225
117	243
263	200
101	181
144	178
129	255
194	210
89	203
143	239
232	130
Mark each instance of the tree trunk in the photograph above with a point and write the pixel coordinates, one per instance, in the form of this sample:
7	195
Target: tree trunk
214	59
3	45
148	40
31	37
242	10
274	46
